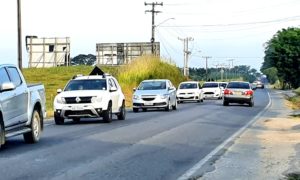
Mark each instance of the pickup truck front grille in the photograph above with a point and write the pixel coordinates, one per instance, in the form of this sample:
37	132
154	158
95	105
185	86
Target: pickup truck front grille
80	100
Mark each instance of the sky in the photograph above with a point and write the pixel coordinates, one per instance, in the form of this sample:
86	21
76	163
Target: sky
223	30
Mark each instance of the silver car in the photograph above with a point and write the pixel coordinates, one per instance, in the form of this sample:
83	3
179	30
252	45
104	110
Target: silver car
157	93
238	92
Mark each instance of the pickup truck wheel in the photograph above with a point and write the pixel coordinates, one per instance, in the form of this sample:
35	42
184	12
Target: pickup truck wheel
59	120
135	110
107	115
122	114
225	103
34	135
2	134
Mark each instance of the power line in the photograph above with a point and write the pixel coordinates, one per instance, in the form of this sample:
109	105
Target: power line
293	18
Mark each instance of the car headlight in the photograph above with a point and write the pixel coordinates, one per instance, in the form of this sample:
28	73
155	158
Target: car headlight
96	99
136	97
165	96
61	100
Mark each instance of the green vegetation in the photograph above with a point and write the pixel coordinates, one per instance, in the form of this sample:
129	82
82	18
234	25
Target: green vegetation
129	76
282	58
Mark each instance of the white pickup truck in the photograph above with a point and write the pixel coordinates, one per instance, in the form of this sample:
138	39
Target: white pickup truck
22	106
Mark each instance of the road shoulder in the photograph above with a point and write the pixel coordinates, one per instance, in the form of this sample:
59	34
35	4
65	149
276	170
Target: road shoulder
269	149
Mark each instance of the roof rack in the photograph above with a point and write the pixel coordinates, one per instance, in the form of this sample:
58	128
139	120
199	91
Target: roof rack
76	76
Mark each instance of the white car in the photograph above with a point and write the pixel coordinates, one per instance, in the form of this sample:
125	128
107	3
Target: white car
156	93
90	97
189	91
212	90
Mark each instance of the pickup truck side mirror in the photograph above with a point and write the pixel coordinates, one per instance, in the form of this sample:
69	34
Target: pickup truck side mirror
59	91
7	87
113	89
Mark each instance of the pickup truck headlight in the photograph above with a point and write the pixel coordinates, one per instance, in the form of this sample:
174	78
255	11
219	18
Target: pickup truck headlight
96	99
165	96
136	97
61	100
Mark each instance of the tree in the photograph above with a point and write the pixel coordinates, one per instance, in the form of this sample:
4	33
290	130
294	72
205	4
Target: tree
83	59
283	53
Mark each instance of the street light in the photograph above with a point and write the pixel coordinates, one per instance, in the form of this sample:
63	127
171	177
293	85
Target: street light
164	21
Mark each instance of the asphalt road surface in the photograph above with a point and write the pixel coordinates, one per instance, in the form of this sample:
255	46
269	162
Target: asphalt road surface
147	145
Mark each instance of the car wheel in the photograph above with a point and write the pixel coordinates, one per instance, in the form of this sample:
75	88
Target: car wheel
58	120
175	106
76	120
201	100
2	134
34	135
107	115
169	106
225	103
135	110
144	109
251	104
122	114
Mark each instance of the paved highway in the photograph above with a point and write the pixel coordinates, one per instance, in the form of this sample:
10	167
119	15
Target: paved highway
147	145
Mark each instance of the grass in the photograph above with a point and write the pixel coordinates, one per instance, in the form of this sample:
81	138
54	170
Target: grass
129	76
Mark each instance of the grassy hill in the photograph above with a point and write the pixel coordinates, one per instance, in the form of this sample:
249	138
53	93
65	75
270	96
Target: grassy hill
129	76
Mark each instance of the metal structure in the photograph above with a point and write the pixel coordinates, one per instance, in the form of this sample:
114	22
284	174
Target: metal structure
48	52
123	53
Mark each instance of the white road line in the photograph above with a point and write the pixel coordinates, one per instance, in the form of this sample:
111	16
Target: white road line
199	165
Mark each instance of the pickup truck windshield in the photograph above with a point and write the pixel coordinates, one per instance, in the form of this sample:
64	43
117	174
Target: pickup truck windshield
152	85
188	86
90	84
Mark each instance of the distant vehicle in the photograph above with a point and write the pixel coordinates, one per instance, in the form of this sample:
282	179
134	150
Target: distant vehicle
22	106
238	92
189	91
156	93
212	90
91	96
259	84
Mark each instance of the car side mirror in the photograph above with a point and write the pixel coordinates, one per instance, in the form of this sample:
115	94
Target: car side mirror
134	89
59	91
7	87
170	88
113	89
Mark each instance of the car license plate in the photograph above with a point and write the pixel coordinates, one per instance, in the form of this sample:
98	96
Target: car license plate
238	93
77	108
148	104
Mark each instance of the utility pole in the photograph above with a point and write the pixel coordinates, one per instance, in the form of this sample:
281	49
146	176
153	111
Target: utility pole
231	60
19	34
186	54
206	58
153	4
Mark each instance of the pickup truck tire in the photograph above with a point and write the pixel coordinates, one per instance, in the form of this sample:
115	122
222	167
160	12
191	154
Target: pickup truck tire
107	115
122	114
2	133
59	120
34	135
135	110
225	103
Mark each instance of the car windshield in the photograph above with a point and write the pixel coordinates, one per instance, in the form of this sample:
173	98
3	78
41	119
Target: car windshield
152	85
210	85
90	84
188	86
238	85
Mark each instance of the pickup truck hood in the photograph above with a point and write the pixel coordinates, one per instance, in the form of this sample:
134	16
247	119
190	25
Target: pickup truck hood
84	93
